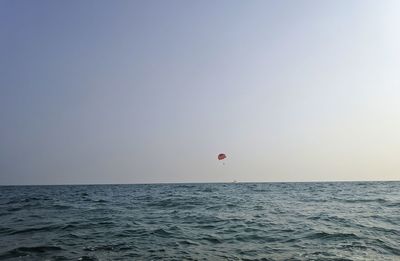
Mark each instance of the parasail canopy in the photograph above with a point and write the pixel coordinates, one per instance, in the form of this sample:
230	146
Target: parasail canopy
221	156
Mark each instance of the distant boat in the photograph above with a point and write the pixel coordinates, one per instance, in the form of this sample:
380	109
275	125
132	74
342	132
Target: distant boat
235	181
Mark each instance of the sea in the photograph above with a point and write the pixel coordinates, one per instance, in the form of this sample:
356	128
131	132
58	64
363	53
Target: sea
219	221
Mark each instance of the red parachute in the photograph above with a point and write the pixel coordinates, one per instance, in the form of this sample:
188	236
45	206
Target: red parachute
221	156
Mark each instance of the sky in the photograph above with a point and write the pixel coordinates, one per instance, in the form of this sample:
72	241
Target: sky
150	91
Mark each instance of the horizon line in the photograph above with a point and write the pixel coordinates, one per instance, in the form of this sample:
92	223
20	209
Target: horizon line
182	183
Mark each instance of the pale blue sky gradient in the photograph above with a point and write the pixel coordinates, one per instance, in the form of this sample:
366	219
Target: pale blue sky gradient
152	91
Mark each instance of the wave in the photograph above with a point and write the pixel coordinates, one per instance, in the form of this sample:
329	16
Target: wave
88	258
162	232
393	204
26	251
26	200
187	242
35	229
332	236
61	207
106	247
185	203
212	239
362	200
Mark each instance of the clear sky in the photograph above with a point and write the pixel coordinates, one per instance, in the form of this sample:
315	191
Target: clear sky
152	91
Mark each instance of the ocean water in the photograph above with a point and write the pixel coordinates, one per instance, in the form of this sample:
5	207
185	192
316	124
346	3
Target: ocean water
238	221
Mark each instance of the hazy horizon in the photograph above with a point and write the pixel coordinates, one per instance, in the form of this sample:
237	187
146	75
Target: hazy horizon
113	92
199	183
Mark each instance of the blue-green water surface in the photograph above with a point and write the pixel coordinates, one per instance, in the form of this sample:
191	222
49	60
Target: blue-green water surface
238	221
